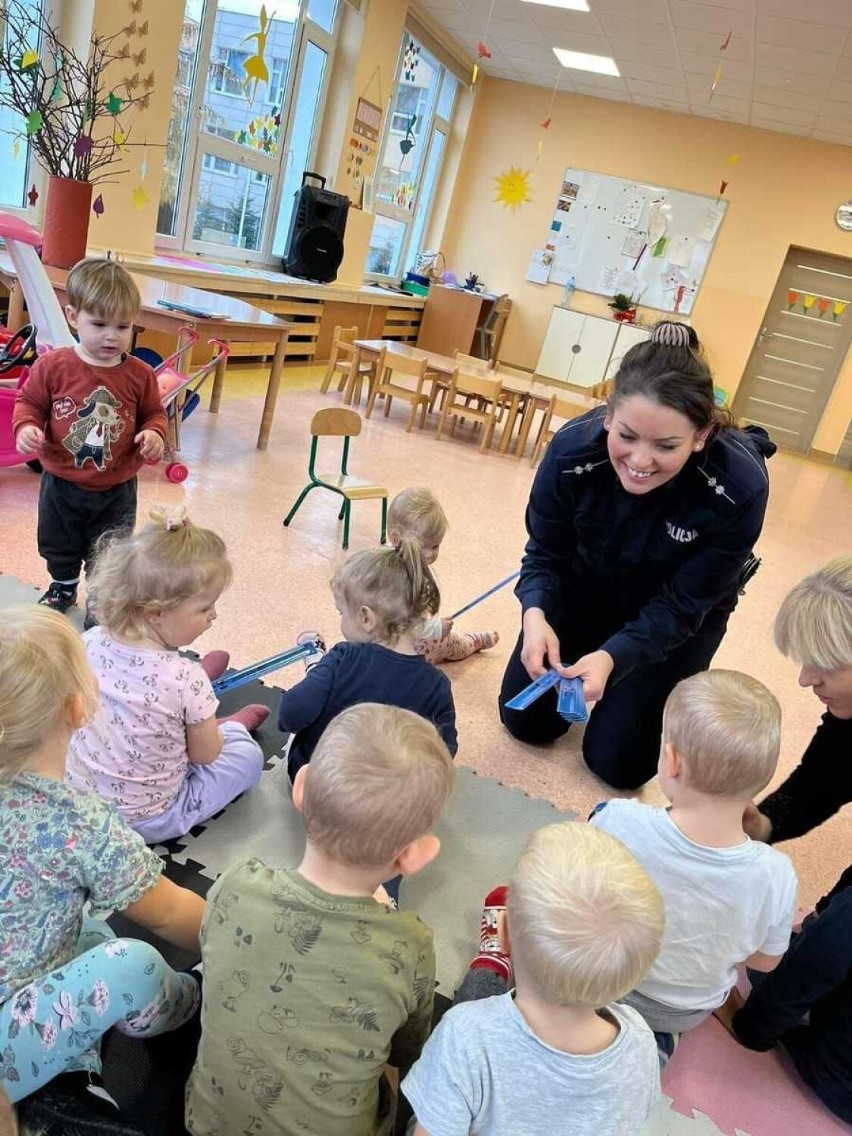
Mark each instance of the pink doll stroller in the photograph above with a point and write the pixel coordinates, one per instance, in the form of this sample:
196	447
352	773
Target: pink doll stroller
180	393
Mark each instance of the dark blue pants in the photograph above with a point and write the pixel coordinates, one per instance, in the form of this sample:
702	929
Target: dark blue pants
71	519
621	743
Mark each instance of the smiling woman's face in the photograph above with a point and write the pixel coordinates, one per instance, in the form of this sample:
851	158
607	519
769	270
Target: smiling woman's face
649	444
832	688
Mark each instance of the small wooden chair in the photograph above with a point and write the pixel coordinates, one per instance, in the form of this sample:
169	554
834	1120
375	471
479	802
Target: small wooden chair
559	408
463	386
416	396
491	332
343	354
600	391
371	369
337	422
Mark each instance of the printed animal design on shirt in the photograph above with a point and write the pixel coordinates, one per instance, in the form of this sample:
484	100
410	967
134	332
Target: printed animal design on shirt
235	987
98	425
361	932
278	1018
304	933
355	1010
307	1056
322	1084
394	959
265	1084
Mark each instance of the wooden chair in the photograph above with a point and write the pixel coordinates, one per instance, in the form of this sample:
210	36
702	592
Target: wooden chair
600	391
416	396
491	332
463	386
337	422
343	354
559	408
361	369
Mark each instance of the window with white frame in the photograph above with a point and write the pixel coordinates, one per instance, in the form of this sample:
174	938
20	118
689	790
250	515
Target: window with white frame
250	88
18	169
411	156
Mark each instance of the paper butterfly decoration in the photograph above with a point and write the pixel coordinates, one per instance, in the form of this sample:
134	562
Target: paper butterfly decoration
32	196
98	205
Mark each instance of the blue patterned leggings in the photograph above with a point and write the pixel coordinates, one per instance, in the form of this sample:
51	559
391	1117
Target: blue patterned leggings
54	1025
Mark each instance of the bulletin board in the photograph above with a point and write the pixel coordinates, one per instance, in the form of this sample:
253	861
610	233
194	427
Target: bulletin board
647	241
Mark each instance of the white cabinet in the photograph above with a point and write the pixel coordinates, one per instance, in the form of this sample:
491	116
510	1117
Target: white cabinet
628	336
579	349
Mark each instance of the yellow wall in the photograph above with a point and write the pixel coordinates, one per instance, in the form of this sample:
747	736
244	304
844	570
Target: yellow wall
783	191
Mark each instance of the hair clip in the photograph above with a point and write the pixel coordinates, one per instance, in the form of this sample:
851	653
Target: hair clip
177	520
671	334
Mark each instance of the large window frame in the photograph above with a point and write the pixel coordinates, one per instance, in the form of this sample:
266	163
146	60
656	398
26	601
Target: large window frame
197	143
433	137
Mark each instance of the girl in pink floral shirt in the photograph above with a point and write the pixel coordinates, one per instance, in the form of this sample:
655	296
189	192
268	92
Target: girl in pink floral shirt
155	749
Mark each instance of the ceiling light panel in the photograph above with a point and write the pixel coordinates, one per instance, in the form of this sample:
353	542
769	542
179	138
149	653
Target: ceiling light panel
581	61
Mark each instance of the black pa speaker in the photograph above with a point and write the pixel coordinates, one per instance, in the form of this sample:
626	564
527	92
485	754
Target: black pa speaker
315	242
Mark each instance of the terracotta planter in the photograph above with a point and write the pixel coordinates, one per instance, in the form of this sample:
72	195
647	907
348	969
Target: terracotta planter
66	221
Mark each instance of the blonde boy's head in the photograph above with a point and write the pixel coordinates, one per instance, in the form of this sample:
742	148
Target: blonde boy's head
416	512
585	921
378	780
103	288
43	670
814	623
726	727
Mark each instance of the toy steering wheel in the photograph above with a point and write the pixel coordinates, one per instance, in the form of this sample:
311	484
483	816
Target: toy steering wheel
19	349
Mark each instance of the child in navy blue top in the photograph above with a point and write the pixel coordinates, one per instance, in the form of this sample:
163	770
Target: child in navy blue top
383	598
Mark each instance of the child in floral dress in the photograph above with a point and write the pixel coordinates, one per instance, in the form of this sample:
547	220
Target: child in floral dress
65	979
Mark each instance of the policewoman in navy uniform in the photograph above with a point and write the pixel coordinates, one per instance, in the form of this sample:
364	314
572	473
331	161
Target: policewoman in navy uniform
641	521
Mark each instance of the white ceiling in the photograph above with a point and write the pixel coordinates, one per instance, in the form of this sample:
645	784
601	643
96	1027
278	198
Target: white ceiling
788	65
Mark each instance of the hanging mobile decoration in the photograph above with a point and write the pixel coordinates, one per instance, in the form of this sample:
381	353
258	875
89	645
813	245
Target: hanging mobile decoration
717	74
143	165
34	122
98	205
482	51
114	103
512	188
408	143
28	61
32	196
82	145
140	197
544	125
255	66
410	61
16	149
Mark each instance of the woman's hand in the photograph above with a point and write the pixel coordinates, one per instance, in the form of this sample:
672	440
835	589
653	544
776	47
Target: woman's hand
594	669
540	643
755	824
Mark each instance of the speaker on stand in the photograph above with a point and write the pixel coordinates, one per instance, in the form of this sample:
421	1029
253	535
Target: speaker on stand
314	247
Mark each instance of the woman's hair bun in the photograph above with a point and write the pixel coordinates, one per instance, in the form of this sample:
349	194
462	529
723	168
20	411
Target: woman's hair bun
671	334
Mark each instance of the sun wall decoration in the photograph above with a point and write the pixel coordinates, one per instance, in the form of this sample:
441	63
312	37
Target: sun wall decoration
512	188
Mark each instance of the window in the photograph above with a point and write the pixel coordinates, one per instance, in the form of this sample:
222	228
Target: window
250	87
410	160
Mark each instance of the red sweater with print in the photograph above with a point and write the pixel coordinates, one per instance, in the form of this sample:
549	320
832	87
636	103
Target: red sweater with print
90	416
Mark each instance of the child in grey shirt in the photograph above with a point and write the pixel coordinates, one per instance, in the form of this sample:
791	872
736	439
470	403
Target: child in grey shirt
555	1054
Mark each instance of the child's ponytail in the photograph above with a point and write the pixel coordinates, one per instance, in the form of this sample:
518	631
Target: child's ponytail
425	596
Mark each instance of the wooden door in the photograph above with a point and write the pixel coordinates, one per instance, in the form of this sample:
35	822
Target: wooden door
797	356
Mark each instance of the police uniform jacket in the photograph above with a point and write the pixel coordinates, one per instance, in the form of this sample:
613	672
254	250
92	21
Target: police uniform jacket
648	567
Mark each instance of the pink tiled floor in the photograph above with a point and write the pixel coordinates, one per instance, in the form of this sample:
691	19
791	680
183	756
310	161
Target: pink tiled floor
281	584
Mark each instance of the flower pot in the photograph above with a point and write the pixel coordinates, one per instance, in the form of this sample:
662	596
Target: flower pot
66	221
625	317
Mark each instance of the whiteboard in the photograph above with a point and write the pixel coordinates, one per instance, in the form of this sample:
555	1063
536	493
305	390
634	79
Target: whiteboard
614	235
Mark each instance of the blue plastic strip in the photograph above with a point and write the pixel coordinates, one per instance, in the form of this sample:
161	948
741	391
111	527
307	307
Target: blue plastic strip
534	691
485	596
236	679
570	702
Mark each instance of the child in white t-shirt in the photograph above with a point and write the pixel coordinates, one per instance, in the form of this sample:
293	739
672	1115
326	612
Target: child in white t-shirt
728	899
557	1054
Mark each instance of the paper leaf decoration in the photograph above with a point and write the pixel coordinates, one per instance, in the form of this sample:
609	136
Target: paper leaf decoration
28	59
82	145
34	122
140	197
120	139
114	103
475	75
482	51
98	205
32	196
56	93
512	188
16	149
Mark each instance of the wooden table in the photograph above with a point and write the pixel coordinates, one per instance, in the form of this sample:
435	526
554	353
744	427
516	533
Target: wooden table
234	321
526	396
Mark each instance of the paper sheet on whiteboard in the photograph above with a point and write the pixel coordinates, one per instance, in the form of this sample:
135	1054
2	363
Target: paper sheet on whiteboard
679	251
708	224
538	271
628	208
608	280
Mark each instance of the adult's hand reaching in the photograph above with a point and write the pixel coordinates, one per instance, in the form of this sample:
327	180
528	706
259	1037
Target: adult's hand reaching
541	645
